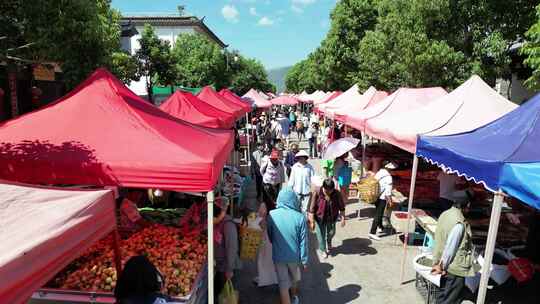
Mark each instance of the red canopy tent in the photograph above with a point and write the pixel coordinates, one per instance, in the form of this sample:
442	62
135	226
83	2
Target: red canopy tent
211	97
186	106
101	133
237	99
43	230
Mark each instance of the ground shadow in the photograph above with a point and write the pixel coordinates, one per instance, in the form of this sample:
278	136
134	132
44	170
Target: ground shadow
362	212
356	246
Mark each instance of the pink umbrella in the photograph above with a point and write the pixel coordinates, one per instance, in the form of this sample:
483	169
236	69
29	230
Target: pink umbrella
284	100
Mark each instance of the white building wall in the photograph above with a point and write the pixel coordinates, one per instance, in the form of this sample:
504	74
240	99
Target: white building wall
168	33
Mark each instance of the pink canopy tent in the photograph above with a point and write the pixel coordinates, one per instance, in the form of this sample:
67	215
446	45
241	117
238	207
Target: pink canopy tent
327	98
319	96
185	106
352	95
284	100
369	98
468	107
257	99
402	100
101	133
302	96
43	230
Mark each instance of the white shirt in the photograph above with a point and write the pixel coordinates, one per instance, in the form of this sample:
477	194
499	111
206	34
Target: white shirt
447	185
314	118
385	183
300	179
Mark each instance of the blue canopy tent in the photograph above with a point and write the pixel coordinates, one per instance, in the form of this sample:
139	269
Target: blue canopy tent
503	156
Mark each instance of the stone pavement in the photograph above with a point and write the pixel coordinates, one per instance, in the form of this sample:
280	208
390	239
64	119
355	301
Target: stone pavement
360	270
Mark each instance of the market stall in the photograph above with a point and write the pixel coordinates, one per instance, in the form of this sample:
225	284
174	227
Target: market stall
284	100
231	96
471	105
327	99
351	94
353	105
187	107
105	135
256	99
116	138
38	241
404	99
502	156
211	97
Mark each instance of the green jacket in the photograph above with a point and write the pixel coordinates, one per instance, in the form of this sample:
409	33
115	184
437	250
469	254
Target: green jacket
463	264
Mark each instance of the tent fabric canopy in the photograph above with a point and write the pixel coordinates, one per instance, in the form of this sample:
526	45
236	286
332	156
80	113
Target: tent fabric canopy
246	107
187	107
351	95
284	100
101	133
43	230
232	96
211	97
402	100
470	106
354	104
502	155
327	99
257	99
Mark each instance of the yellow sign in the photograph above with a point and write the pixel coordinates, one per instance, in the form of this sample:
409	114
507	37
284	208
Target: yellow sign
42	72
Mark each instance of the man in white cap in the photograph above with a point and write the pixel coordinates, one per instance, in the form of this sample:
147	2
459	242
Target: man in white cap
300	179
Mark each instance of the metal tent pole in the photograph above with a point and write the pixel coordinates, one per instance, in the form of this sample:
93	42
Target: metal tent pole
409	208
490	245
210	245
248	158
363	154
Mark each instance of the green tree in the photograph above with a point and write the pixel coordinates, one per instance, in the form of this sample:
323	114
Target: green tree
247	73
338	63
79	35
156	62
200	62
531	49
400	53
125	67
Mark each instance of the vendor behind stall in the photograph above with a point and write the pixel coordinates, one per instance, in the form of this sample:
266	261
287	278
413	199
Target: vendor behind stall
453	253
226	252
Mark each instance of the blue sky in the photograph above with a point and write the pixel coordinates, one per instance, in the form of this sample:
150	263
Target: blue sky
277	32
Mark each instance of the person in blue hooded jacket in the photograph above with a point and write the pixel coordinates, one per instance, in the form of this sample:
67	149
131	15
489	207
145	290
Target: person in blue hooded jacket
288	233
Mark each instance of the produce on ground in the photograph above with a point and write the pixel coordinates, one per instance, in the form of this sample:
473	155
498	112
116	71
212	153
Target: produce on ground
178	257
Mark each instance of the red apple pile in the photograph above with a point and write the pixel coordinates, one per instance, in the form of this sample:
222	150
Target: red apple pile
178	257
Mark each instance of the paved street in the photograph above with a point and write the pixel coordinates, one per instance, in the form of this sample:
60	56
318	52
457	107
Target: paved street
360	270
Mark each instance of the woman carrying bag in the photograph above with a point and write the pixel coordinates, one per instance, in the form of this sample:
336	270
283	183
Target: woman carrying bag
326	205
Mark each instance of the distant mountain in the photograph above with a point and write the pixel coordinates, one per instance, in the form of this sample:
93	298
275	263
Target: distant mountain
277	77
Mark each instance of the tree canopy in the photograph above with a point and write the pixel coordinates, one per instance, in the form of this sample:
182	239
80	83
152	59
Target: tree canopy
200	62
416	43
531	49
79	35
